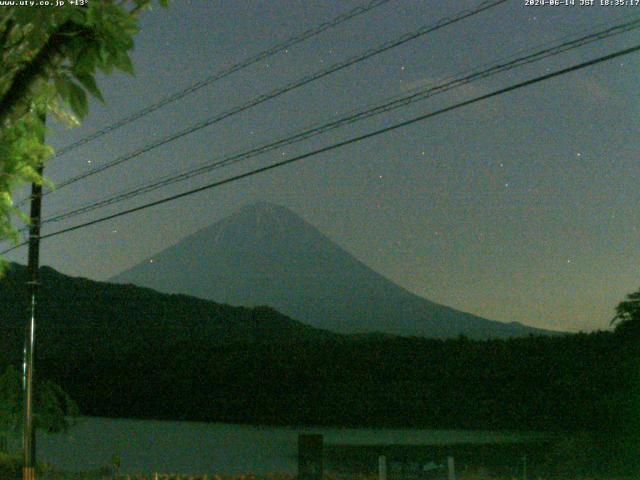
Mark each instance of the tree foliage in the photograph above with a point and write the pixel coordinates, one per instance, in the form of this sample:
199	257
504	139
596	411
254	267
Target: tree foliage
54	409
627	317
49	58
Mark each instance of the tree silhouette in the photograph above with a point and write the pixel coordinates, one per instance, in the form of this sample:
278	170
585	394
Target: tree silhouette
627	319
55	410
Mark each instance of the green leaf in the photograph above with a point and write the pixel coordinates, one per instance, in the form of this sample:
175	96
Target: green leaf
123	62
89	82
86	60
78	100
103	57
62	86
77	15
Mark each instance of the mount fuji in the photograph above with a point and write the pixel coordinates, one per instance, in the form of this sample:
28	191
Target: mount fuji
265	254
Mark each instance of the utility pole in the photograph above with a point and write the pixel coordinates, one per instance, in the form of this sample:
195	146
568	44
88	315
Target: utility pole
33	282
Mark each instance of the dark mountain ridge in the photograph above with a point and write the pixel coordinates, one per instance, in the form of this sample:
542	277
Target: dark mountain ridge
115	319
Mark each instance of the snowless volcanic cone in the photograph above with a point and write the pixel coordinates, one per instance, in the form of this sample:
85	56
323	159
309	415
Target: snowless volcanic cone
265	254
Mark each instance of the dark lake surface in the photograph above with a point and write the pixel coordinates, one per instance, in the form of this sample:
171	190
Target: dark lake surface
147	446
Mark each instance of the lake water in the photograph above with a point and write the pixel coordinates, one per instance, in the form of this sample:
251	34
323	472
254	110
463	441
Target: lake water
147	446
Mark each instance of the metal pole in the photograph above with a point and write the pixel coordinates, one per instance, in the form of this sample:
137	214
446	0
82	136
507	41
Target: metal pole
33	282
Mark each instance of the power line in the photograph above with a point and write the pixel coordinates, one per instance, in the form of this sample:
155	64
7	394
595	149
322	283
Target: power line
350	141
395	103
463	14
280	47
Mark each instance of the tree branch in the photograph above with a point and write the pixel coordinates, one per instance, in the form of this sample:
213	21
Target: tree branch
6	31
16	101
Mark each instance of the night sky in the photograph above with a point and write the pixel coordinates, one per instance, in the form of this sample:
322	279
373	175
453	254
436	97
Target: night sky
520	208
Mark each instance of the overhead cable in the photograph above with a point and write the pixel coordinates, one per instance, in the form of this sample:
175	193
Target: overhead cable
338	145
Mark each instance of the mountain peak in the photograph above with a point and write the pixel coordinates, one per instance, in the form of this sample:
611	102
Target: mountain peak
254	224
264	206
264	215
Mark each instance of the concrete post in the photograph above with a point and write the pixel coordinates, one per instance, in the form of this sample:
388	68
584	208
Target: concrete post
382	467
451	469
